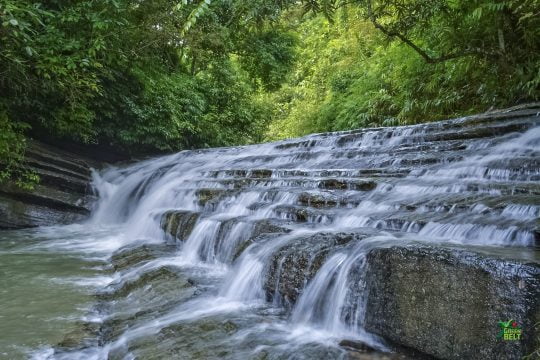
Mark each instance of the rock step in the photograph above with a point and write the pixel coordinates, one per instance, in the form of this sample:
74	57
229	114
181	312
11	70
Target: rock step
433	187
17	214
446	202
354	158
293	265
461	227
346	191
37	164
521	204
61	159
470	128
179	225
322	183
61	182
403	213
408	148
480	131
317	210
130	257
125	287
449	198
45	196
526	111
298	173
62	195
324	206
141	295
515	169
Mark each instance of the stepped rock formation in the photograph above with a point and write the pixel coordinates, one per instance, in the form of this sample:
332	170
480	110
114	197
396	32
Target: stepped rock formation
62	196
425	235
420	239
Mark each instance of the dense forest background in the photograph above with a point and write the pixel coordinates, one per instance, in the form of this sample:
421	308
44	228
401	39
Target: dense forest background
145	77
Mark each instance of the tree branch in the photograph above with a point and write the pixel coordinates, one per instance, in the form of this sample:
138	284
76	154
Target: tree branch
429	59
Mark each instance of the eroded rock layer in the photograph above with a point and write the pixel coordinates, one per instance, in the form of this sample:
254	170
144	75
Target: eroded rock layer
63	194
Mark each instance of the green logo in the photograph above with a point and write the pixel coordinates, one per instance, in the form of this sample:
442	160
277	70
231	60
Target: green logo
510	330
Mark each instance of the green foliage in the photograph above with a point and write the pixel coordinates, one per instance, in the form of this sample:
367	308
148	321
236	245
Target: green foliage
12	145
177	111
430	61
131	75
268	56
154	76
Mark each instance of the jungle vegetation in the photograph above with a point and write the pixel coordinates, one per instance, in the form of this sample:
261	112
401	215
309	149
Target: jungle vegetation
157	76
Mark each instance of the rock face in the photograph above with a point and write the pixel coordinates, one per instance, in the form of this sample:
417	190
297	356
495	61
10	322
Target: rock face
448	302
62	196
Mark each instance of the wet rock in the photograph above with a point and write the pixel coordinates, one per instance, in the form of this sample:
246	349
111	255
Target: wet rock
301	214
47	197
292	266
480	132
261	228
355	355
236	183
207	195
318	200
299	144
81	336
339	184
356	345
260	173
17	214
142	299
201	339
129	257
224	173
62	196
179	223
448	302
161	274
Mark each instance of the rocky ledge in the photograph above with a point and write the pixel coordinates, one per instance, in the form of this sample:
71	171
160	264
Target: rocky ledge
62	196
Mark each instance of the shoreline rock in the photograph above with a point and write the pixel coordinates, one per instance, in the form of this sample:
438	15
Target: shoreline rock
62	196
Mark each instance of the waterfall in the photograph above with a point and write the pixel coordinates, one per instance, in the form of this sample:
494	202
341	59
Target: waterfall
291	223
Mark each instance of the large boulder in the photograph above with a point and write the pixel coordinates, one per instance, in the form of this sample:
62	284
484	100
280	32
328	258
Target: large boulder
449	302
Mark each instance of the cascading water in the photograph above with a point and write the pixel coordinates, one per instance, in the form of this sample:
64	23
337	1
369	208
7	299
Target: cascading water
251	216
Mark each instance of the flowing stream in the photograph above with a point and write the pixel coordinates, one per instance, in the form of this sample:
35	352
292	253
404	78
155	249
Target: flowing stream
259	251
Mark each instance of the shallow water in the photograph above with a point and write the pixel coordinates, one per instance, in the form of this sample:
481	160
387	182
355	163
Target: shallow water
47	282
